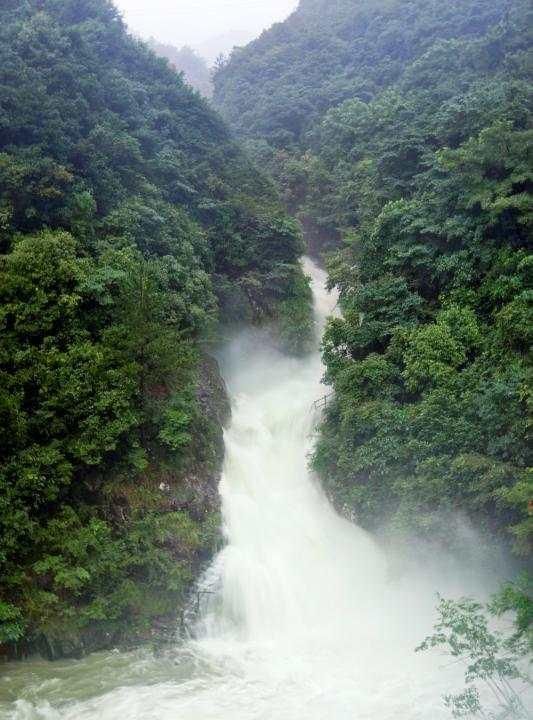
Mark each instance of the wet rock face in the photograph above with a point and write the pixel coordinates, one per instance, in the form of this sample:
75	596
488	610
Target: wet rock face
215	405
198	490
212	391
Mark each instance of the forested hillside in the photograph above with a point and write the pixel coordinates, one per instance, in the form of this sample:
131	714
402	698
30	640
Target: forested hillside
130	224
400	131
187	61
278	86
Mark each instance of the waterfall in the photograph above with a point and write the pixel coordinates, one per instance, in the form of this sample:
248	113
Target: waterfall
299	618
292	571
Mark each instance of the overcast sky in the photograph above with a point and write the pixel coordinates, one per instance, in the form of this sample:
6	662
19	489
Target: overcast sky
193	22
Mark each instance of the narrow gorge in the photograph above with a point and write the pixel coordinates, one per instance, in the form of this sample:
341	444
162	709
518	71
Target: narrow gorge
265	361
296	617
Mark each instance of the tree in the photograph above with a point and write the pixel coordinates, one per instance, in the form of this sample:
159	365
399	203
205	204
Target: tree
493	659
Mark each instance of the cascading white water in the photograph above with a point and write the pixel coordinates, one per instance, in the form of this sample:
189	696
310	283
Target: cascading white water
302	617
290	560
303	623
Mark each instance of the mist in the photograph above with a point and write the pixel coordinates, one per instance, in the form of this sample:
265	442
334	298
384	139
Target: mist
209	26
301	608
264	360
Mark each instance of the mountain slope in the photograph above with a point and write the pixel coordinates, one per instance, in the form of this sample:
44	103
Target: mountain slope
278	86
186	60
130	224
400	131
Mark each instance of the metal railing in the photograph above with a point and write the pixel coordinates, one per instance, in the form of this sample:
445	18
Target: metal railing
323	402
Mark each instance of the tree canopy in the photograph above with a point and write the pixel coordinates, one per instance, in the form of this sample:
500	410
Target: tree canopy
187	61
400	132
129	222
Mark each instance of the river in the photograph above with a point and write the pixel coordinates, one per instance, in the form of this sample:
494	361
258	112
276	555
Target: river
299	621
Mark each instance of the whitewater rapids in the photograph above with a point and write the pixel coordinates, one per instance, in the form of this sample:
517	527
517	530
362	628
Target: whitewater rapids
299	621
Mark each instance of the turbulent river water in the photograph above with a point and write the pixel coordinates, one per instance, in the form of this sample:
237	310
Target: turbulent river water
300	619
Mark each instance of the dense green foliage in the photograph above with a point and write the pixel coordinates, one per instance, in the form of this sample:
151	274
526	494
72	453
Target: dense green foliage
187	61
278	86
401	132
494	660
430	362
127	214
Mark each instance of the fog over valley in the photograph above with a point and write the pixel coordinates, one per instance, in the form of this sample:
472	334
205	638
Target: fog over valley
266	319
210	27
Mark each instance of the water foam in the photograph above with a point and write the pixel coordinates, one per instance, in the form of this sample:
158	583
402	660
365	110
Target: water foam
300	621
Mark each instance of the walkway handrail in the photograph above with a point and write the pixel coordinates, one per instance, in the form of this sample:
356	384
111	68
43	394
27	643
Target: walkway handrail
322	403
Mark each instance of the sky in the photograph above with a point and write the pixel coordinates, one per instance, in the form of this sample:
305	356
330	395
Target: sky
202	24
